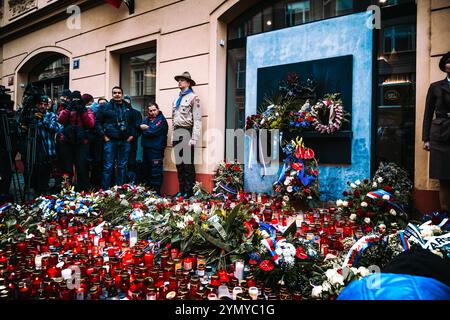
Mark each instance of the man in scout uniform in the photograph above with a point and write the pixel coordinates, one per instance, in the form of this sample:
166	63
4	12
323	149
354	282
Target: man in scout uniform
187	118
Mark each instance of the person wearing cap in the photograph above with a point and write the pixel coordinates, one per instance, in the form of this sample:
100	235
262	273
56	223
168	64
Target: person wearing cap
187	122
64	100
47	126
77	120
117	125
132	163
436	132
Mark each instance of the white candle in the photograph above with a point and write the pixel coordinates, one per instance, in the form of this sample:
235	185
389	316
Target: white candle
253	292
38	261
236	291
239	270
66	274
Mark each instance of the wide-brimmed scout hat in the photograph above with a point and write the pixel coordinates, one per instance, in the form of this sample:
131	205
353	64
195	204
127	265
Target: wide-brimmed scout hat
443	61
186	75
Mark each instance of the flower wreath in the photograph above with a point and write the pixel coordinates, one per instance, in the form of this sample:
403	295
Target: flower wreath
331	107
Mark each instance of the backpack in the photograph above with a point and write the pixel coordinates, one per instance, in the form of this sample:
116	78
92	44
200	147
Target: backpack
74	134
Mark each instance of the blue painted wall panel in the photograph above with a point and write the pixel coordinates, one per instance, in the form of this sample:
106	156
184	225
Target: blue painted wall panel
318	40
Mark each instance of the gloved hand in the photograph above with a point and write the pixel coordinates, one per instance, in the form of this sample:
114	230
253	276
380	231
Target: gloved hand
39	115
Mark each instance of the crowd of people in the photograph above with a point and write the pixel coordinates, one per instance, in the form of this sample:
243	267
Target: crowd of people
94	143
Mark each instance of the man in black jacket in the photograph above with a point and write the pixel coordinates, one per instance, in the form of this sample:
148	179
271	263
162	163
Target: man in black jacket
116	124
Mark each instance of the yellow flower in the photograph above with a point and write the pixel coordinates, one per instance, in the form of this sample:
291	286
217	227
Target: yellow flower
205	226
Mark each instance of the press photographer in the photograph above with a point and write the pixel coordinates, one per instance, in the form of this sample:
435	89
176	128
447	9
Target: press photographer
74	147
39	127
8	148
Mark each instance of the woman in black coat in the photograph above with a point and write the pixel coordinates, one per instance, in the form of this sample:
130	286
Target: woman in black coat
436	132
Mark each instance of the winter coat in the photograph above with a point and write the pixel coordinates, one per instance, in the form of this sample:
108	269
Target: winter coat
155	137
116	121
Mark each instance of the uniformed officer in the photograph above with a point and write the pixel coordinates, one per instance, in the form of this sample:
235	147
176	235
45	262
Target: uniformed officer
186	117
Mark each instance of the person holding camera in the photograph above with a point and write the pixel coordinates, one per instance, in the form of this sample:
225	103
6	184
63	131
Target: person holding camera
115	122
42	152
77	120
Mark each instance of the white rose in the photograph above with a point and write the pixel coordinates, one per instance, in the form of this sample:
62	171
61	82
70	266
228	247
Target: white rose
326	286
345	203
374	184
367	220
386	197
380	179
354	270
316	292
286	198
393	212
197	208
353	217
289	189
330	273
337	279
177	208
339	203
364	204
357	182
363	271
353	185
124	202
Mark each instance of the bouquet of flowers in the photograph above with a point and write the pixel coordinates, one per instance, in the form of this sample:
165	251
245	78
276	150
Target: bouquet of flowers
369	204
287	263
299	175
229	178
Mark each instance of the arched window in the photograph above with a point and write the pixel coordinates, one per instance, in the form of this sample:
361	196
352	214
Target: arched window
51	74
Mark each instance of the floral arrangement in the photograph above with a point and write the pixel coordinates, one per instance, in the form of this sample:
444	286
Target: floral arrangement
299	175
328	114
370	204
229	178
398	179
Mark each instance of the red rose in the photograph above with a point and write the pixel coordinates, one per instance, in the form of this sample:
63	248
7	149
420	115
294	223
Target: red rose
345	193
387	188
227	166
307	190
356	193
359	212
303	113
350	202
301	254
309	153
310	118
266	265
366	181
236	168
297	166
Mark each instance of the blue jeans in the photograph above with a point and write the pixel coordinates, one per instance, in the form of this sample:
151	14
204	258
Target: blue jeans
112	150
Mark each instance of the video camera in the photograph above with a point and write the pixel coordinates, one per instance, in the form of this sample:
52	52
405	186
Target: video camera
30	102
5	99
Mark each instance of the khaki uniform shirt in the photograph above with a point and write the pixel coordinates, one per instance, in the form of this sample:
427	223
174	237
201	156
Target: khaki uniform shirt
188	114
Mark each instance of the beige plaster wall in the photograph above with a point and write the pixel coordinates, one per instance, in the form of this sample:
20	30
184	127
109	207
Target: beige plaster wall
433	32
187	35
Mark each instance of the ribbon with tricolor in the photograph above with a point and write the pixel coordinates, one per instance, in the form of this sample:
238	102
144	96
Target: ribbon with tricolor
5	207
378	194
358	248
